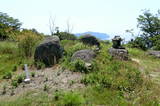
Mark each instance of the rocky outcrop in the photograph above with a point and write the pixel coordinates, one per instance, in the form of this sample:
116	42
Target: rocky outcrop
49	51
85	55
90	40
154	53
121	54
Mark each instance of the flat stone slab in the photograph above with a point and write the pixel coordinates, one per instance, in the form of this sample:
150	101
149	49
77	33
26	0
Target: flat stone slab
154	53
121	54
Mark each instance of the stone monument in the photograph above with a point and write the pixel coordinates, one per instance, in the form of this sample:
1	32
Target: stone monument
117	51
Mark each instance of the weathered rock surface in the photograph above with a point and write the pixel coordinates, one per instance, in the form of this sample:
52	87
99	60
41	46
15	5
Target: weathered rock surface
89	39
49	51
154	53
54	39
121	54
85	55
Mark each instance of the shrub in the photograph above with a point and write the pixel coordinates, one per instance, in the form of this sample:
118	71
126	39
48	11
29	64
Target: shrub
46	88
27	43
139	42
70	99
20	78
4	90
156	42
76	47
14	83
7	75
17	80
79	66
14	68
7	47
33	74
66	36
39	65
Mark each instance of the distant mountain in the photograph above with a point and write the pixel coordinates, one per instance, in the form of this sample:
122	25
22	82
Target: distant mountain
102	36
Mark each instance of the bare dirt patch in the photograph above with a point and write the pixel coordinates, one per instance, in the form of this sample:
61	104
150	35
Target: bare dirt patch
51	79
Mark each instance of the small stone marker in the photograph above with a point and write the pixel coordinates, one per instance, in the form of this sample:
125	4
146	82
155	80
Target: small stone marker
27	79
117	42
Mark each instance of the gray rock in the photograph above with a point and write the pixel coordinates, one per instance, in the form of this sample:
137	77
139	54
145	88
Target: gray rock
154	53
90	40
54	39
121	54
85	55
49	51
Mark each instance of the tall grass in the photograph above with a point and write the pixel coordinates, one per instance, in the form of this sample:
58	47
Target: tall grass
8	47
8	56
15	53
27	42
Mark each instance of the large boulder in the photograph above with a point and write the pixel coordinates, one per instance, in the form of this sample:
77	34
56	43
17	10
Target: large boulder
154	53
85	55
90	40
49	51
121	54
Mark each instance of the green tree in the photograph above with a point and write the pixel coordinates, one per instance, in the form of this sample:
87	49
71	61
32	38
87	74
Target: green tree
8	25
149	24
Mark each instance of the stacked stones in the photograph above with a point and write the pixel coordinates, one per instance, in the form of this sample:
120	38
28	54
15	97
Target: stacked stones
117	51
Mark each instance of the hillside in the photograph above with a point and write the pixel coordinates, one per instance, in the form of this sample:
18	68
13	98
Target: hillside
108	82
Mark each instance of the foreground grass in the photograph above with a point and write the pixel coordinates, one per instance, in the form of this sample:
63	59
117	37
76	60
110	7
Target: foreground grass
110	82
8	59
38	98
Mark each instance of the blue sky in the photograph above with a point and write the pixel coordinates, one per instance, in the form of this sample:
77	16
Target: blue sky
107	16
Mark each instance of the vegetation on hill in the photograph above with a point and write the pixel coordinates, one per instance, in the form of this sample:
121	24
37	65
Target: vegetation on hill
107	82
149	24
8	26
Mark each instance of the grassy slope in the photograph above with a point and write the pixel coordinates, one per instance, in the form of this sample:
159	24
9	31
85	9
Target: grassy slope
115	82
148	64
9	58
